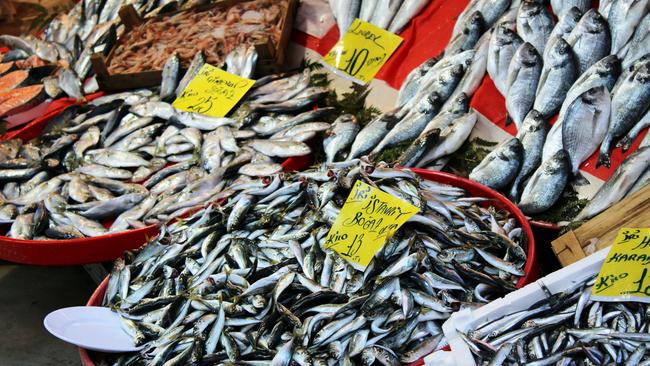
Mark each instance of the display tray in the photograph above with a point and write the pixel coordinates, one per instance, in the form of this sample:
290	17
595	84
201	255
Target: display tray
531	269
270	56
85	250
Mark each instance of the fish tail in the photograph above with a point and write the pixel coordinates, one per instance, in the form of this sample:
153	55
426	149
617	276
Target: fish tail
604	159
580	180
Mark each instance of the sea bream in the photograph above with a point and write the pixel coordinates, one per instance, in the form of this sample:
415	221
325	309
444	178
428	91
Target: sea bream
534	24
629	103
523	77
504	43
558	74
590	39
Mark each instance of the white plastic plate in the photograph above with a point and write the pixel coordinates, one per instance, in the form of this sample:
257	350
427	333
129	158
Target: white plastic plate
91	327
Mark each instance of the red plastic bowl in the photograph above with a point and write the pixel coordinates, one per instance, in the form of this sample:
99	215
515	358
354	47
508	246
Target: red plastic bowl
473	188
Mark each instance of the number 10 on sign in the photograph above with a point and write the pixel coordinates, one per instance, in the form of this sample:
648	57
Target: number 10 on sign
363	50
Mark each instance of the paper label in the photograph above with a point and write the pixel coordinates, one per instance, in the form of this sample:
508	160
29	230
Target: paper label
368	218
213	92
625	274
363	50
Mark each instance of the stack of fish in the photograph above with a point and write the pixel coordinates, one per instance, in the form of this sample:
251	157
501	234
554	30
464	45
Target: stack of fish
542	68
85	164
254	281
565	329
574	68
392	15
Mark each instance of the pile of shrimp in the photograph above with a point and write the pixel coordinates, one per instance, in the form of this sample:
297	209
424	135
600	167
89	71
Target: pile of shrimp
217	32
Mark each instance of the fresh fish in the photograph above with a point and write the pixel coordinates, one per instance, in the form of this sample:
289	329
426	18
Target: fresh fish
371	134
412	83
406	12
618	184
197	63
562	7
418	148
558	74
534	24
504	43
623	18
340	136
590	40
585	125
280	148
627	141
532	136
636	47
412	124
451	138
500	166
69	82
603	73
629	103
523	77
170	76
384	13
546	184
347	12
467	39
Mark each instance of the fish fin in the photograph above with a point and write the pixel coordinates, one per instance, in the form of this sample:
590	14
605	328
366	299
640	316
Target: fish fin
604	159
625	143
580	180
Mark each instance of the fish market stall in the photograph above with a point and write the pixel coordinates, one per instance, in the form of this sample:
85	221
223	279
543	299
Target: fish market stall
305	285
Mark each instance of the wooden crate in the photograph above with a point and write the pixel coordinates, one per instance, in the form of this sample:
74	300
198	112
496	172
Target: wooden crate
600	231
270	56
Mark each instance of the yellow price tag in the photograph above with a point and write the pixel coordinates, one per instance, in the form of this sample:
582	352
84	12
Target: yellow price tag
363	50
213	92
624	275
368	218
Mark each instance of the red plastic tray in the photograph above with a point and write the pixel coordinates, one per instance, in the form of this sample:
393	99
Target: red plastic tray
473	188
85	250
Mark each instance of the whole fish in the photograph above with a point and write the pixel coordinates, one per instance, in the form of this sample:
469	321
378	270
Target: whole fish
546	185
618	184
406	12
417	149
623	18
412	124
636	47
384	12
473	76
467	39
451	138
347	12
340	136
197	63
562	7
585	125
590	39
629	102
563	28
500	166
371	134
70	83
627	141
504	43
532	136
534	24
603	73
170	75
558	74
523	77
412	83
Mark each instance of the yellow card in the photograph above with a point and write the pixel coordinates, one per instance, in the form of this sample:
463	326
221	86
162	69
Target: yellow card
363	50
213	92
368	218
624	275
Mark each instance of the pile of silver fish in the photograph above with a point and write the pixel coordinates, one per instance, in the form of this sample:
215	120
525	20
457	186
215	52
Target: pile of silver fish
567	328
133	159
386	14
253	283
592	67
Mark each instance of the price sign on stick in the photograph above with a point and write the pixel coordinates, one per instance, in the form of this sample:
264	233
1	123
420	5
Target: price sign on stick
368	218
625	274
362	51
213	92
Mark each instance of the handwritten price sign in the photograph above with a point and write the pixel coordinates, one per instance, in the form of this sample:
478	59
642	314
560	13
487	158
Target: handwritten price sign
213	92
368	218
624	275
363	50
